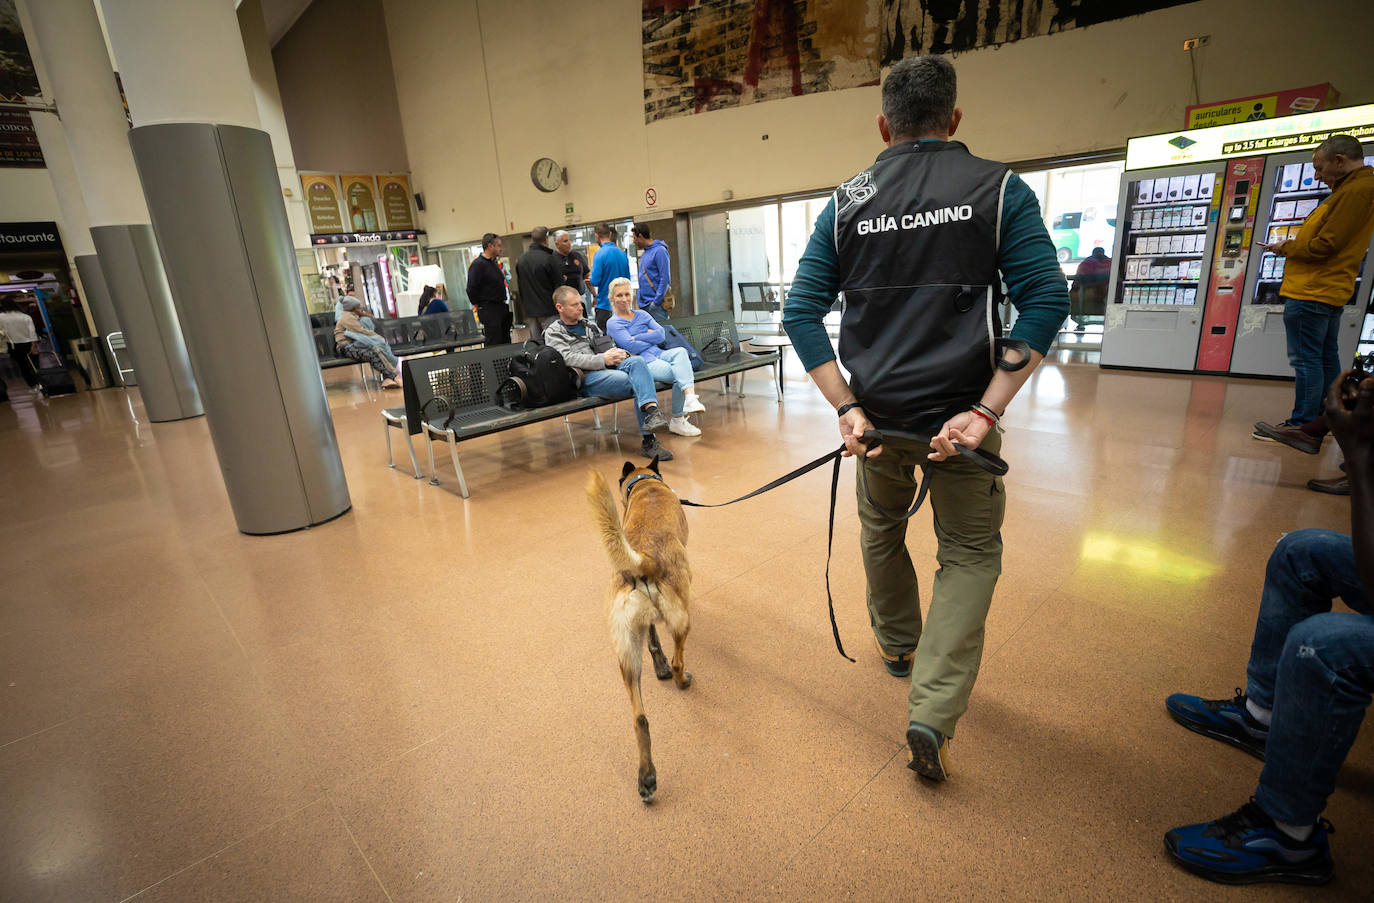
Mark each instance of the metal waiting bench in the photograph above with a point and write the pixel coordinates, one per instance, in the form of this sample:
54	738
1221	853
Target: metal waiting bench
452	397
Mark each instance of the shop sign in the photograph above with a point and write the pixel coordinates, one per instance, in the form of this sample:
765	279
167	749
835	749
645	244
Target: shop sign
396	201
1266	136
29	237
1262	106
363	238
360	199
322	202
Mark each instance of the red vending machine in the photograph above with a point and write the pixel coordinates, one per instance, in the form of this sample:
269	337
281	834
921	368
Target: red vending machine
1234	321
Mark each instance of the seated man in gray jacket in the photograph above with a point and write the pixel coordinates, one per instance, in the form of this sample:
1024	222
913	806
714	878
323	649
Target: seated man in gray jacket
610	373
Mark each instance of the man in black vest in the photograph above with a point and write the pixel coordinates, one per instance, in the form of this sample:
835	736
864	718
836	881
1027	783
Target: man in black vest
536	277
917	243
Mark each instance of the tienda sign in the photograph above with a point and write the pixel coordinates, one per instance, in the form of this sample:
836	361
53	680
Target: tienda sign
1262	106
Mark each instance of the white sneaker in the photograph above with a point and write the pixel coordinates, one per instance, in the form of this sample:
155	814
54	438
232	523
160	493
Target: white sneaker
692	405
681	426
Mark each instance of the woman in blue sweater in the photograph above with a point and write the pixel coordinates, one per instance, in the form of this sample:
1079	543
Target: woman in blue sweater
639	333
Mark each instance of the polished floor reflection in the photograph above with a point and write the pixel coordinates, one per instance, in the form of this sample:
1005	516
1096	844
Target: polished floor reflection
418	700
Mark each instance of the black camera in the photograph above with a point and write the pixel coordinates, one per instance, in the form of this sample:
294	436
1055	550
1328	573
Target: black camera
1364	364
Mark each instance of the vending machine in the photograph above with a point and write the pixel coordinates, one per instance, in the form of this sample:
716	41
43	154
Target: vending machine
1189	290
1291	192
1158	283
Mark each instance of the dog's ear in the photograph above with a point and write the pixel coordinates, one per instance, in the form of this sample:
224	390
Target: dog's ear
625	471
653	465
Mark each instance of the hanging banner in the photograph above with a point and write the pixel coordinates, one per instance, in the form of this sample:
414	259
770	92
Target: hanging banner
322	203
360	200
395	190
1262	106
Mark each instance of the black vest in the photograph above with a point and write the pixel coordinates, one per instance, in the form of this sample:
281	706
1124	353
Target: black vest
917	237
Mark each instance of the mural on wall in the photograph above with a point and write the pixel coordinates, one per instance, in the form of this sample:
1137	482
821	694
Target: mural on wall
910	27
702	55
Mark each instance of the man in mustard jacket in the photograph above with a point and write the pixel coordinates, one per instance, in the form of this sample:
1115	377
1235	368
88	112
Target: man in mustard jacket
1318	280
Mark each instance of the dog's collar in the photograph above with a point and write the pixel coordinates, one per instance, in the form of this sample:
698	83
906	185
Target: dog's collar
636	478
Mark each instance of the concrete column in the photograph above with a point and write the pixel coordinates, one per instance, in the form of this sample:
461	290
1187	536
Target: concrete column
81	81
267	96
76	222
210	179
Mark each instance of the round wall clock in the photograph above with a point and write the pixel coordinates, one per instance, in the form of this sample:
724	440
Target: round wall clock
546	174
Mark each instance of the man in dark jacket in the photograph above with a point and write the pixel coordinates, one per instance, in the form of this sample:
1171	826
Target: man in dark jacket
488	292
572	266
536	278
918	243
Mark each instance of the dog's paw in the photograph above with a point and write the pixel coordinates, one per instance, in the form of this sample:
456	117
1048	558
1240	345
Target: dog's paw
663	671
648	785
686	680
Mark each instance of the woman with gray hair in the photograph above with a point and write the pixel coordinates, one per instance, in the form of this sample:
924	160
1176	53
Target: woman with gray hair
639	333
355	341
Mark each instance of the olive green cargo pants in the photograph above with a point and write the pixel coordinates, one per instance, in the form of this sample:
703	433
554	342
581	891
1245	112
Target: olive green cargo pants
968	507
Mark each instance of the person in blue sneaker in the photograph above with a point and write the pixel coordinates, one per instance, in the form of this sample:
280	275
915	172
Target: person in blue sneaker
1308	683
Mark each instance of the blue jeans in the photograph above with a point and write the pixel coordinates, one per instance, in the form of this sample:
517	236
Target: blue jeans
657	312
630	377
1313	667
674	366
1313	352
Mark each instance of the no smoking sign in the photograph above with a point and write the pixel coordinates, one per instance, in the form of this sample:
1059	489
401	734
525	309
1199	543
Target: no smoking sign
651	197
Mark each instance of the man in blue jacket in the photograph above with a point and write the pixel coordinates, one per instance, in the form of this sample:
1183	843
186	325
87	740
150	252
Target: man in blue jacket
919	243
609	263
654	271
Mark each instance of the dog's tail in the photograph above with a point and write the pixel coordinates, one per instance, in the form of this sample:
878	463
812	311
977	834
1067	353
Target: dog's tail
608	527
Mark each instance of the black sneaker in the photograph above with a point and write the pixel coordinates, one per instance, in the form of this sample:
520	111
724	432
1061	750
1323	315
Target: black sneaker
653	419
1246	847
896	665
649	447
1221	719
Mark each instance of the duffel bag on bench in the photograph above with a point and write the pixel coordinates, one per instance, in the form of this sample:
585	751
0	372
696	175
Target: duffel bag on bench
538	377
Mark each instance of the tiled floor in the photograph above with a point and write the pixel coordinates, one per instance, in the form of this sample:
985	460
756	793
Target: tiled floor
418	701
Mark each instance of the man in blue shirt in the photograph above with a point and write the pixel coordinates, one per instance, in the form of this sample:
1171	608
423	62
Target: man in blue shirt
654	271
919	244
609	263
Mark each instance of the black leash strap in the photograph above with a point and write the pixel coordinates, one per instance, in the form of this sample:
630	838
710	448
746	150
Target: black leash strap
872	438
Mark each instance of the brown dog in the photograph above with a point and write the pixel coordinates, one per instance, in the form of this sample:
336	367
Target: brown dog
651	583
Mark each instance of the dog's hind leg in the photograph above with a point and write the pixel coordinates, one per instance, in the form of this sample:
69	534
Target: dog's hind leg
678	623
631	656
662	670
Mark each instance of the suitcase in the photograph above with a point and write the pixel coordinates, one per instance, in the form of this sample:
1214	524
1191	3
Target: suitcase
54	379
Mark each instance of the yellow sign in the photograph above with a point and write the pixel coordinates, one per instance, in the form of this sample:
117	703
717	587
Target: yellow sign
1242	139
396	202
360	199
322	203
1233	111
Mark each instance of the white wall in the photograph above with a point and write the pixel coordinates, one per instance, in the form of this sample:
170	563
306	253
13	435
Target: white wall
26	195
487	86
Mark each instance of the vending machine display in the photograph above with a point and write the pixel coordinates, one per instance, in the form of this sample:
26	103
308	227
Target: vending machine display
1158	275
1291	193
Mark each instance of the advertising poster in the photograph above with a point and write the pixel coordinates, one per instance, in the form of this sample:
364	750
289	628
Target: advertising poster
1262	106
18	143
322	203
360	201
396	201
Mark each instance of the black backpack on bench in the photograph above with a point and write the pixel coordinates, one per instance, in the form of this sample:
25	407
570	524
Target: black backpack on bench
538	377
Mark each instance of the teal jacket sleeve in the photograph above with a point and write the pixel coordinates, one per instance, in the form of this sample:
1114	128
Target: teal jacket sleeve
1035	284
813	291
